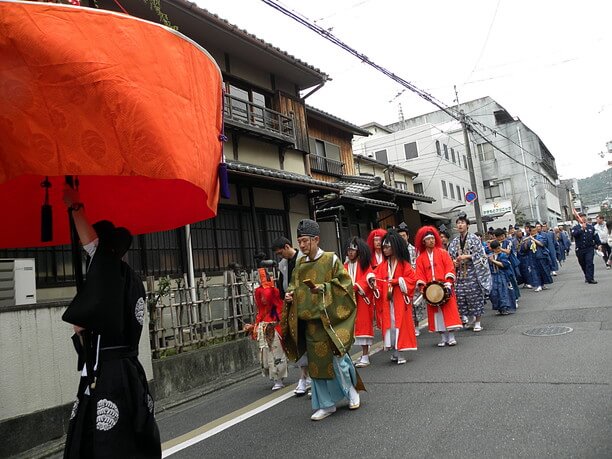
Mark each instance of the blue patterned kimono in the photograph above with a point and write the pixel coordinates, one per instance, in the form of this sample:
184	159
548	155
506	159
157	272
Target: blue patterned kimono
549	242
501	296
513	271
538	260
473	282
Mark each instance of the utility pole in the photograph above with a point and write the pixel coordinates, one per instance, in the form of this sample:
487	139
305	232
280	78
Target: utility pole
468	153
518	130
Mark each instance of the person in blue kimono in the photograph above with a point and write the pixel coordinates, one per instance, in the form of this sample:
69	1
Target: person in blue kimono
534	246
549	243
560	246
507	248
473	276
524	275
565	240
501	296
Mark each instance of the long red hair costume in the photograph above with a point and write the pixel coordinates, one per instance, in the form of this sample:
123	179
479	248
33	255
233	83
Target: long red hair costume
381	233
269	304
443	270
395	283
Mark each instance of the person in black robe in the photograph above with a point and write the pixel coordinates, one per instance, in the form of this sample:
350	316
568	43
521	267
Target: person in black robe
113	415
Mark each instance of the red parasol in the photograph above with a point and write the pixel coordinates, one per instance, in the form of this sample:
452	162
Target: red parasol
130	107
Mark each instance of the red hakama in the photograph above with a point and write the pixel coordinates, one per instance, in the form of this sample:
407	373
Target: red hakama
444	317
364	327
400	282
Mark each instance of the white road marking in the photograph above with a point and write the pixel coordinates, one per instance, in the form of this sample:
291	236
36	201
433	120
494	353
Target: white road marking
219	425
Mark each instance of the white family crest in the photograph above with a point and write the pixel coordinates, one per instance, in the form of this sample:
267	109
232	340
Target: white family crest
107	415
139	310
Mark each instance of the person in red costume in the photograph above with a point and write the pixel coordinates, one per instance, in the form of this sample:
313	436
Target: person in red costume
393	282
358	267
375	243
267	332
434	263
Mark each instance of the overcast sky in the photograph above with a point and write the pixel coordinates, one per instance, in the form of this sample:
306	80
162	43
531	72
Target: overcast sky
547	62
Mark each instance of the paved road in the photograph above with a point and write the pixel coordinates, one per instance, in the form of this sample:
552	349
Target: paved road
498	393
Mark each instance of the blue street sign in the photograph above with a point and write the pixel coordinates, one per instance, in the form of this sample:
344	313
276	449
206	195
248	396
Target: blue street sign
471	196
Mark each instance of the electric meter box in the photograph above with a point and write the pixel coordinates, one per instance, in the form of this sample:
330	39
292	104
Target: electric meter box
17	281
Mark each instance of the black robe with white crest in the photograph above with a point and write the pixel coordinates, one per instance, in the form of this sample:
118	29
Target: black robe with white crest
113	415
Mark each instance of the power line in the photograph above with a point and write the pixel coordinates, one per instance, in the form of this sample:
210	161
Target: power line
332	38
450	111
484	46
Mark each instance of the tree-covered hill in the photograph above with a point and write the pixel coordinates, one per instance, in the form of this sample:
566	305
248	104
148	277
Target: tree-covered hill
596	188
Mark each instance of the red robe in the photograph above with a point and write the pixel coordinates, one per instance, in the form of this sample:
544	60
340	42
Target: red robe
269	306
364	327
374	260
444	271
402	290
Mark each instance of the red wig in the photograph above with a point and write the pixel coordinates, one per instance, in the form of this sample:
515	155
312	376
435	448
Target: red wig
381	233
419	239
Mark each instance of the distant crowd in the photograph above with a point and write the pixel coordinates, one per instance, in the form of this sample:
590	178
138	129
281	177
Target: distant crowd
321	305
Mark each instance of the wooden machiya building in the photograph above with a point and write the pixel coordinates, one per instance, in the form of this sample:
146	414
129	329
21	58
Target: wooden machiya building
374	194
267	153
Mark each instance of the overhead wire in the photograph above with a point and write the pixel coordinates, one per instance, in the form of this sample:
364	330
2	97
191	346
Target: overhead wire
452	112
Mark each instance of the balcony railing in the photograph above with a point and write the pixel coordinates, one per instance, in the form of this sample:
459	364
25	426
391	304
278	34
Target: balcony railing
326	166
258	119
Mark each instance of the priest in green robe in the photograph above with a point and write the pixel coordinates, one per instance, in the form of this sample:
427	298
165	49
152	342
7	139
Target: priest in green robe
319	319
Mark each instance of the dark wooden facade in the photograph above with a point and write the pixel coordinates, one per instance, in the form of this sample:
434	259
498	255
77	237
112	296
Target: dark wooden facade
294	108
322	131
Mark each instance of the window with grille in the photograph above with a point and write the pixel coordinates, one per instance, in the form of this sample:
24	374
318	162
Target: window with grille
418	188
410	150
492	192
444	191
452	190
453	154
382	156
485	152
465	163
216	243
438	148
459	193
53	264
445	151
401	185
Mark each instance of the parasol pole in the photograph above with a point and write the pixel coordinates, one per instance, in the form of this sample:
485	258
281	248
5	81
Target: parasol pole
77	265
190	270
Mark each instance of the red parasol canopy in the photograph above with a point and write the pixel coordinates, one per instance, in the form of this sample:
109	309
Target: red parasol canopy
130	107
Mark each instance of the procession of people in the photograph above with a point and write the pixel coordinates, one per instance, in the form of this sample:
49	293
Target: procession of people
387	283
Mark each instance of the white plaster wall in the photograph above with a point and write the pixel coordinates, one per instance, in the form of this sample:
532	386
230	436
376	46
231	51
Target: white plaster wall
250	73
255	152
38	361
294	162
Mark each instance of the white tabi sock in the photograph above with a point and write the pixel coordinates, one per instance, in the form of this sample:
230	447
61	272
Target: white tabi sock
451	336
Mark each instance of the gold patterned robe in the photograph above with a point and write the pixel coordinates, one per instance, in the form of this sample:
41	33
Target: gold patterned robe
321	324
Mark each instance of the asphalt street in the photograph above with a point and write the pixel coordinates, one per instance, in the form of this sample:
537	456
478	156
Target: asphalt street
498	393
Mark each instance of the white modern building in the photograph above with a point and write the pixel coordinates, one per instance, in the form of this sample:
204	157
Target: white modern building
513	167
436	152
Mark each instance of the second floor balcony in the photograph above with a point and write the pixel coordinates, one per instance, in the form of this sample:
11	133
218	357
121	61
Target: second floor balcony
326	166
258	120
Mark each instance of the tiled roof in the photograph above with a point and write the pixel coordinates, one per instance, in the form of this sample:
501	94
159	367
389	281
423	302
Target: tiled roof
246	35
352	127
370	201
361	184
367	159
251	169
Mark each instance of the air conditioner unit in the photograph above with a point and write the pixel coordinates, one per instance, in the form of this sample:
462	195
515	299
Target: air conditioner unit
17	281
